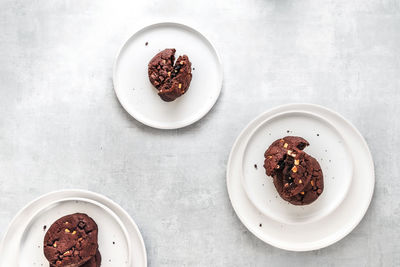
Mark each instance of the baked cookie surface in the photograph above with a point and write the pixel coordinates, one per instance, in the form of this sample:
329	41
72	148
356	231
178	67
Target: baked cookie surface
71	240
93	262
170	78
297	176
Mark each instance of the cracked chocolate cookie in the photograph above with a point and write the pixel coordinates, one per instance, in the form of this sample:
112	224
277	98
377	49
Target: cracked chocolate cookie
297	176
71	241
170	78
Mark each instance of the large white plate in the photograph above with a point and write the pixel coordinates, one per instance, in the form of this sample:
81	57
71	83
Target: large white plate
137	95
325	230
119	239
326	145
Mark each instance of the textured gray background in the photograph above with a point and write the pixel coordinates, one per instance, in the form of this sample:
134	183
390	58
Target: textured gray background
61	125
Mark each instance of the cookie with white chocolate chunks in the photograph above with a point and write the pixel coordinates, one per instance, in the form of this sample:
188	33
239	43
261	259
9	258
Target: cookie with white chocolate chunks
293	170
171	79
71	241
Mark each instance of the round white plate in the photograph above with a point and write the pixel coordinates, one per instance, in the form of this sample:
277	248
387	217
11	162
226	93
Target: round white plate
137	95
114	243
326	145
119	239
325	230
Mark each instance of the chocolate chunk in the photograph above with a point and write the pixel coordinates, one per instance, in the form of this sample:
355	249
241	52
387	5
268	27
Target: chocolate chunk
81	224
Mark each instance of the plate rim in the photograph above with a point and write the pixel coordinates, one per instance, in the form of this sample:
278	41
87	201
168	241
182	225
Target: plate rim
77	191
324	242
179	124
284	113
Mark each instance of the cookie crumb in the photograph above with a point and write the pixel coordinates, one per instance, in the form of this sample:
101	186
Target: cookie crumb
260	224
288	131
113	243
255	166
146	44
44	227
194	69
317	134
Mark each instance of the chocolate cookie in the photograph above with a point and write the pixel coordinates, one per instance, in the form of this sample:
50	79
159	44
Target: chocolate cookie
172	79
71	241
297	176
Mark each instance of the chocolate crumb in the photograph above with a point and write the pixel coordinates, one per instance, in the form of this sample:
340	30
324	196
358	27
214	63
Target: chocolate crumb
260	224
288	131
146	43
255	166
44	227
317	134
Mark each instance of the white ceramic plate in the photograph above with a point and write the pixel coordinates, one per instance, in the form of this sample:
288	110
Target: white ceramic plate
326	145
119	239
311	234
137	95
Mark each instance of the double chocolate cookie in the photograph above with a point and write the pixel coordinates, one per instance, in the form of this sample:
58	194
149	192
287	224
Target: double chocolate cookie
72	241
172	79
297	176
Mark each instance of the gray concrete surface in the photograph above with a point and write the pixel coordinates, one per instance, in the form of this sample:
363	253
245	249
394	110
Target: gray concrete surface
61	125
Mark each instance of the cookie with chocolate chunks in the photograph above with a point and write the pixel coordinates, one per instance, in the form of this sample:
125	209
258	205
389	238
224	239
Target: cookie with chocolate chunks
171	79
297	176
71	241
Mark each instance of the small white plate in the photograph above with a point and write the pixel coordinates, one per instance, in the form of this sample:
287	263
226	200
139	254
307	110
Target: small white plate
312	234
114	244
326	145
120	242
137	95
